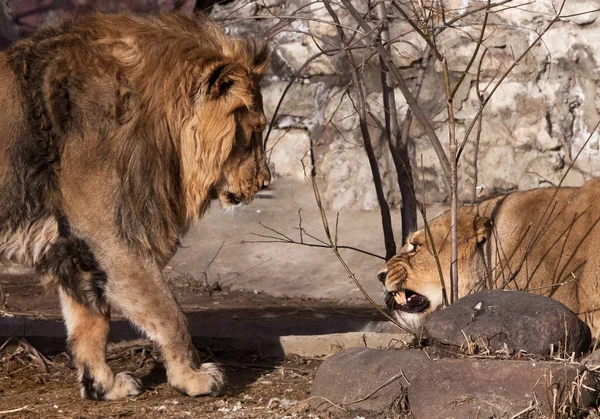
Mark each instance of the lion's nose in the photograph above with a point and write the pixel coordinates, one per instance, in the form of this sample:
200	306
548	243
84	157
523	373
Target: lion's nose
264	179
381	276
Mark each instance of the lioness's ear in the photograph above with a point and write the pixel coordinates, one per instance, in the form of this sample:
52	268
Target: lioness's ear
219	81
483	229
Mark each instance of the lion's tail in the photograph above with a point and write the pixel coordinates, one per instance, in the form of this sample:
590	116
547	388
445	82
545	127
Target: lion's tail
70	264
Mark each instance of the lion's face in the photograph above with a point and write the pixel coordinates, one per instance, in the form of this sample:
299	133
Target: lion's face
411	279
245	171
224	156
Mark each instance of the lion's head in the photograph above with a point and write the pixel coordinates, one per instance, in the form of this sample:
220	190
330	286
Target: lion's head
222	142
245	170
411	279
195	89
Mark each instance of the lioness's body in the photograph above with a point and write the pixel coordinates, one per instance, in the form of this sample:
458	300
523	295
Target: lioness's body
544	240
115	132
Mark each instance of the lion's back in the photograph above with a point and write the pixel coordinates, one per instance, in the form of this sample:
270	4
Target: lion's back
11	118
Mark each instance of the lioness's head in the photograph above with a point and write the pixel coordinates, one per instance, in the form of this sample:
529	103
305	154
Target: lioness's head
411	279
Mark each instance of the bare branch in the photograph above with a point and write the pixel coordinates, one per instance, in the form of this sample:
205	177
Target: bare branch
398	149
477	46
416	109
506	73
386	219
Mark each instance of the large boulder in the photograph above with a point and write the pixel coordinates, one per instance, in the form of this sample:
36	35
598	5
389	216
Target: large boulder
469	388
592	361
521	321
365	379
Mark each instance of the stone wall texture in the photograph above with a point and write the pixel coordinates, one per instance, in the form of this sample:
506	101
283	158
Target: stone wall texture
533	127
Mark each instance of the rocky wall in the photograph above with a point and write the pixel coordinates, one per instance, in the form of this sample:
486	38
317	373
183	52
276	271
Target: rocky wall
535	124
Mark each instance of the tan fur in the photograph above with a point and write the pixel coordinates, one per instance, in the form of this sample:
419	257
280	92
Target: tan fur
26	245
544	241
88	334
116	132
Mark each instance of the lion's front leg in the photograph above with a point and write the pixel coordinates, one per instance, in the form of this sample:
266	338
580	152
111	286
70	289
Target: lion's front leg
138	290
87	334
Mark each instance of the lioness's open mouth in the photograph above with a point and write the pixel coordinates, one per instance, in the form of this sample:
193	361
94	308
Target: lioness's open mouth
409	301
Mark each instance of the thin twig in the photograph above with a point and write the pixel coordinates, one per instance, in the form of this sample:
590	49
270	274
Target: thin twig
410	100
398	148
322	246
474	55
4	412
328	401
481	98
5	344
506	73
386	219
343	262
388	382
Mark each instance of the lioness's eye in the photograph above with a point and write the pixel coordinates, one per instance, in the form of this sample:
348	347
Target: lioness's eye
412	247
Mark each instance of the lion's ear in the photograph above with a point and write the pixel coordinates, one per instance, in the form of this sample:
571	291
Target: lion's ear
260	61
483	229
124	101
220	81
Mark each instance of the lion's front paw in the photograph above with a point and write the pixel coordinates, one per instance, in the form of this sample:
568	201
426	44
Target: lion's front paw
209	379
123	385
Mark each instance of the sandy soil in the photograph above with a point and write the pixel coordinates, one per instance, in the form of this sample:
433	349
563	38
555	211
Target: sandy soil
258	388
36	379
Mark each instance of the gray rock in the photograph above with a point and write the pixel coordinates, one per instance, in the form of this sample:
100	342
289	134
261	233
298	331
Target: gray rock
592	361
469	388
522	321
365	379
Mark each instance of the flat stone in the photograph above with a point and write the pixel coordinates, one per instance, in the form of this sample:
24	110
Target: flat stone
365	379
469	388
519	320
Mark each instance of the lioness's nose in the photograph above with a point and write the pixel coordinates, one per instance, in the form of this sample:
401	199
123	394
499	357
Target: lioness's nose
382	276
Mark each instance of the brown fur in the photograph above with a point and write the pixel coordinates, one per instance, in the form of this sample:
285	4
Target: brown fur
544	241
116	132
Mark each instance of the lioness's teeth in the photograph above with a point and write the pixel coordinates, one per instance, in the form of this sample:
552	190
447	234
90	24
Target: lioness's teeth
400	298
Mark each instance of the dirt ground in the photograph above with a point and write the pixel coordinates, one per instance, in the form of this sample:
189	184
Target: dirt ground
36	382
35	387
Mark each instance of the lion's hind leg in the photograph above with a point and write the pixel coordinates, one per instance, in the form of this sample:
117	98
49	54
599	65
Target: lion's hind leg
72	267
87	335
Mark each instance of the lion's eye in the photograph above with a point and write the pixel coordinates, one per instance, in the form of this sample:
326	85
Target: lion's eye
415	246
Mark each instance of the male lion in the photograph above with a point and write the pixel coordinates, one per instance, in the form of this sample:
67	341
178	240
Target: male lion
115	133
543	240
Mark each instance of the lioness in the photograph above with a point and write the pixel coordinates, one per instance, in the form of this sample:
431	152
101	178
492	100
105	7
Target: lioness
115	133
543	240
